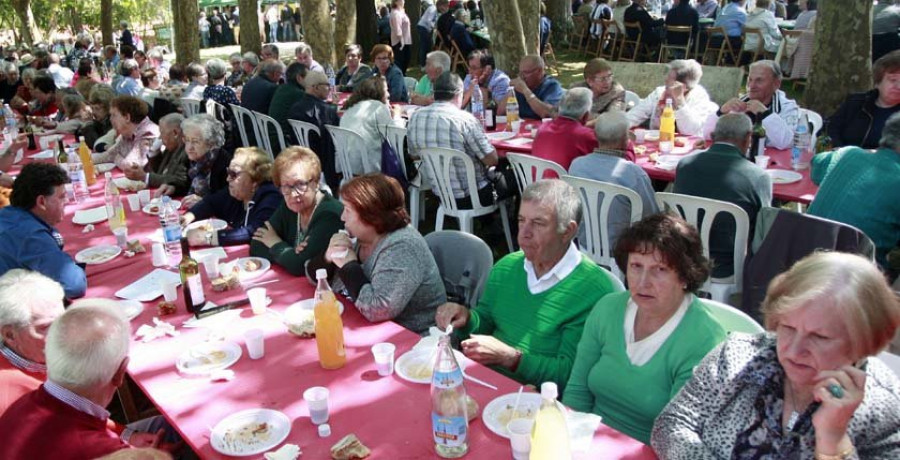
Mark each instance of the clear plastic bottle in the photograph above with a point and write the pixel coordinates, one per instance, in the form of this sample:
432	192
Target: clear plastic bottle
800	155
115	212
171	226
512	110
84	152
10	123
550	437
329	327
667	123
477	104
332	89
76	175
449	414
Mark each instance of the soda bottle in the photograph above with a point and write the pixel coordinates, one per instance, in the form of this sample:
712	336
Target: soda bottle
512	110
550	436
449	414
84	152
800	152
667	123
115	212
329	327
171	226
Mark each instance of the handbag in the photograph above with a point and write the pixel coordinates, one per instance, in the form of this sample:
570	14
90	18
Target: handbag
390	163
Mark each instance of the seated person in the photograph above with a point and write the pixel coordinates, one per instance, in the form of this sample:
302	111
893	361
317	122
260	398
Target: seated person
459	32
27	237
861	116
313	108
682	14
723	173
246	204
76	115
608	163
538	94
204	137
528	321
732	18
285	96
566	138
856	187
493	82
301	227
135	133
628	374
689	100
99	133
367	112
167	162
43	92
436	63
811	389
807	17
651	29
765	103
390	272
764	20
607	94
383	64
353	70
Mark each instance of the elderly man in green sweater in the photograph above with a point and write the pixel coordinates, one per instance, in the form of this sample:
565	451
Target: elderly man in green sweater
528	322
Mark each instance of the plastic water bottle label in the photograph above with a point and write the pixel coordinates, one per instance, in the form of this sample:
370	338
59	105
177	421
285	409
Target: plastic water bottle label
172	233
448	431
447	380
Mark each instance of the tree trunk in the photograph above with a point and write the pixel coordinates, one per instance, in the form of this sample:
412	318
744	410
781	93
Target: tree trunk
187	36
106	26
31	34
75	18
559	11
249	13
507	40
414	11
843	35
530	14
366	27
319	29
344	26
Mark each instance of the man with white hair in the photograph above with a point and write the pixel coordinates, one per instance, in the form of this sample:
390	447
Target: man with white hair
690	101
723	173
167	163
566	138
130	82
29	302
62	76
436	63
537	94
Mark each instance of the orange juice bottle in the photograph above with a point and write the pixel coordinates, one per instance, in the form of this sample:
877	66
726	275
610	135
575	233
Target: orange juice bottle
84	152
667	123
329	327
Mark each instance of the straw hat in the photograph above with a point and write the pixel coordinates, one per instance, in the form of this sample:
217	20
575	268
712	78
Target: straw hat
26	59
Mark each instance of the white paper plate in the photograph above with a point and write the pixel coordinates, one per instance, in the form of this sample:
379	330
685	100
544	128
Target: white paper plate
207	357
501	135
147	287
226	439
497	414
243	274
131	308
104	168
152	207
308	304
216	224
412	362
125	183
90	216
43	155
97	254
651	135
783	176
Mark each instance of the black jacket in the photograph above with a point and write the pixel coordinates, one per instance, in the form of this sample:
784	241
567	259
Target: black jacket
852	124
242	223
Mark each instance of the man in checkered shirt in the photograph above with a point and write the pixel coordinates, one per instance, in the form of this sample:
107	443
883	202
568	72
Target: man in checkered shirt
444	124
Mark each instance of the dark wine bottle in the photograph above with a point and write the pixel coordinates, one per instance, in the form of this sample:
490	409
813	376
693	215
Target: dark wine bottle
189	270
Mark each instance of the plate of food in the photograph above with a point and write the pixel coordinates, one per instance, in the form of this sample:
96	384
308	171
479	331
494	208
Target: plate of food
248	267
250	432
124	183
207	357
104	168
152	207
498	413
783	176
416	365
97	254
209	225
501	135
131	308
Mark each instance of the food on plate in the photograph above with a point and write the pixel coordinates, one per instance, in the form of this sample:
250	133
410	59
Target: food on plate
640	149
135	246
471	407
523	411
654	157
303	324
421	369
153	209
100	256
680	142
202	358
252	265
349	448
165	308
246	436
226	281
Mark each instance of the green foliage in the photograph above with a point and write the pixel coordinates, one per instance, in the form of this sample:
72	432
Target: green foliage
48	13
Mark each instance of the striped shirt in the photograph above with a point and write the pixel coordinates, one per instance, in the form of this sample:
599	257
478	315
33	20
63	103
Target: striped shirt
77	402
21	363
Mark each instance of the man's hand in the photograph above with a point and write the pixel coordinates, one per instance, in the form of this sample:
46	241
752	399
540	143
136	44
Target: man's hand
734	105
135	172
451	313
676	91
488	350
520	86
138	439
189	201
756	107
164	190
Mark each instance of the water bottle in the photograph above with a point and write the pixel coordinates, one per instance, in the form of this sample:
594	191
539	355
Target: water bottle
10	127
76	176
800	152
329	72
477	105
171	227
449	415
550	436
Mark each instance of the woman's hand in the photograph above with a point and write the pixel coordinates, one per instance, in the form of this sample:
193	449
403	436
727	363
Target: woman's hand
267	235
834	414
190	200
164	190
340	250
187	219
451	313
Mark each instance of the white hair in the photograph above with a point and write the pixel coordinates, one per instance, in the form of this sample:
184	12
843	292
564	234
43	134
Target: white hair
21	291
86	345
576	103
611	128
439	59
562	197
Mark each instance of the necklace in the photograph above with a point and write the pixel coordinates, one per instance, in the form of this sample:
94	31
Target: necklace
301	235
793	418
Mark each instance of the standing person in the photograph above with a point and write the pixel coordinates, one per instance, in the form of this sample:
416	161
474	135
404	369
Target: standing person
272	17
425	27
401	36
287	23
236	25
298	24
215	29
126	39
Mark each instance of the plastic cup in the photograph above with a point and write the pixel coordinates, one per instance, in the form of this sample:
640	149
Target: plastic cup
144	195
546	120
257	300
520	437
256	345
317	399
384	358
665	147
516	125
134	202
158	255
211	264
639	136
170	290
121	237
762	161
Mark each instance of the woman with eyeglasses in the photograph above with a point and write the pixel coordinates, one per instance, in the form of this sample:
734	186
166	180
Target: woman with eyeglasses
383	62
303	224
204	137
354	70
607	93
250	199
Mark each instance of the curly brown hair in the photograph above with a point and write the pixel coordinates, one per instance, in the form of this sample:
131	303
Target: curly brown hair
133	108
379	201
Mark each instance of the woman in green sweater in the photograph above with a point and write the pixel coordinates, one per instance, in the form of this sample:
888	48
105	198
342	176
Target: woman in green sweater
301	227
628	374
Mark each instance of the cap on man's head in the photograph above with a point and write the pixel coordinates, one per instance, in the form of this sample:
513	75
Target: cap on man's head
314	78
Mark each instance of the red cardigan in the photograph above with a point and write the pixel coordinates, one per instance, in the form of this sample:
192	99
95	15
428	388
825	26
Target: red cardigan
14	383
41	426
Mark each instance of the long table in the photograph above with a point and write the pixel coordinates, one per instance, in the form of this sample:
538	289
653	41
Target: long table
802	191
388	414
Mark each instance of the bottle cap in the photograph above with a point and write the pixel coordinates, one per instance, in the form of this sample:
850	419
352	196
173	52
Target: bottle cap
321	274
324	430
549	390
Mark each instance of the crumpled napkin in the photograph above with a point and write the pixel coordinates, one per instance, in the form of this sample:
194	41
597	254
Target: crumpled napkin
148	333
286	452
581	429
88	228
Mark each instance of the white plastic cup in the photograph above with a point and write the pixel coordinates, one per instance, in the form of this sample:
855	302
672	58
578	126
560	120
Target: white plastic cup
317	400
639	136
520	437
144	195
762	161
134	202
158	255
257	298
121	237
384	358
665	147
516	125
169	289
211	264
546	120
256	345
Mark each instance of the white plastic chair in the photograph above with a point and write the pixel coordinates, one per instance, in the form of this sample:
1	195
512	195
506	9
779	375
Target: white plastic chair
215	109
891	360
190	107
529	168
596	201
396	136
441	162
410	84
244	118
814	118
689	208
731	319
348	145
266	126
302	130
631	99
464	277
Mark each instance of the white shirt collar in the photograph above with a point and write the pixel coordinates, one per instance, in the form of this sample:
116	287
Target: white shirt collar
559	272
640	352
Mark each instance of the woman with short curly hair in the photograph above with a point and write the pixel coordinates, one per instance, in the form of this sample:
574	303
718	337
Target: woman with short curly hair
135	133
204	137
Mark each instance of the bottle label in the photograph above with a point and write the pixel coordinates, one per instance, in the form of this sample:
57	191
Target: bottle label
172	233
196	286
449	431
446	380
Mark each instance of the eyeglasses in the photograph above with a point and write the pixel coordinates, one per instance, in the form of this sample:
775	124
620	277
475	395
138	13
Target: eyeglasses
602	79
528	71
382	58
300	187
233	173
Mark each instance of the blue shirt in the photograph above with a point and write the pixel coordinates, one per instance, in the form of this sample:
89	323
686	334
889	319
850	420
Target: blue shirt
549	91
732	18
498	85
127	86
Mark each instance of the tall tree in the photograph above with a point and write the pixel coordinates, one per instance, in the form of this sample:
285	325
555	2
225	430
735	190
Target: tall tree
318	28
530	14
366	26
344	26
250	32
106	22
187	37
844	36
31	34
507	40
